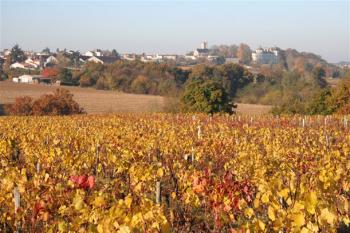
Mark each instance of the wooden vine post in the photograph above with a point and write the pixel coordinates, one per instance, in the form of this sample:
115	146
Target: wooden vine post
158	192
17	201
97	159
345	122
199	132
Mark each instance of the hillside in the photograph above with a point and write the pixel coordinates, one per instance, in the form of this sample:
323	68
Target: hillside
102	102
92	100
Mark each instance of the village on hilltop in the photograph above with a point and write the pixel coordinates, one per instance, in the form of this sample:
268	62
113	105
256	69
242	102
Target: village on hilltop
74	60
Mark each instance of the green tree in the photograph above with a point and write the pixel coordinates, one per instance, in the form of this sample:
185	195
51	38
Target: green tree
17	54
46	50
65	76
115	53
319	105
74	57
206	96
331	101
220	60
318	74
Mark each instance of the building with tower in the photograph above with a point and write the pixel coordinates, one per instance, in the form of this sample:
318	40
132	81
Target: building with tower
203	51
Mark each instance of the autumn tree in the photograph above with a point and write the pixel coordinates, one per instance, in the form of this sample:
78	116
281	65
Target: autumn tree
244	54
50	72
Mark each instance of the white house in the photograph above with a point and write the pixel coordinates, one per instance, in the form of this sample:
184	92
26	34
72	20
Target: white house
26	78
170	56
89	54
102	59
129	57
31	78
7	52
95	59
32	62
17	65
265	56
190	57
51	60
96	53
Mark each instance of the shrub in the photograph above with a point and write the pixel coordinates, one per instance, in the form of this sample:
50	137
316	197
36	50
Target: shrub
206	96
59	103
332	101
21	107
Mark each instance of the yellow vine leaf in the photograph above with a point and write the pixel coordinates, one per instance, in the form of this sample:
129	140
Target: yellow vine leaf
311	202
124	229
128	201
304	230
327	216
249	212
261	225
271	213
265	198
160	172
298	220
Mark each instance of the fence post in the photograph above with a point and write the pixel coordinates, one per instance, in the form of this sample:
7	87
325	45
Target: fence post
47	140
327	140
38	166
15	154
97	158
158	192
199	133
17	201
192	155
345	122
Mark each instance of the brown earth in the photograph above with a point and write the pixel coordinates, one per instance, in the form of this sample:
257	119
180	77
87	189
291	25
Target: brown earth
102	102
92	100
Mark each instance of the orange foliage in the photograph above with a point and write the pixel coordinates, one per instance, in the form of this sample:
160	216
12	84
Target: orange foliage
59	103
50	72
21	107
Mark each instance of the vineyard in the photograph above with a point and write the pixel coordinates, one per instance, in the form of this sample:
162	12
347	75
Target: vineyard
174	173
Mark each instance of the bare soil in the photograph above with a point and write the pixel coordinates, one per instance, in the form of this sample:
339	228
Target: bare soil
92	100
103	102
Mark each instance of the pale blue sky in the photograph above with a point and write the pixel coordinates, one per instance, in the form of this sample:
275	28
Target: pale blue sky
322	27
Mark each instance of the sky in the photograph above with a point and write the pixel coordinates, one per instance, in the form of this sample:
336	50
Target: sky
169	26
